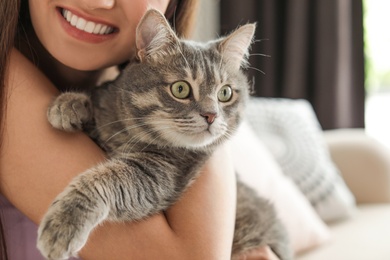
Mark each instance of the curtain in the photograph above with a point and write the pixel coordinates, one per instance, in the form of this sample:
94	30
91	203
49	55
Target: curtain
310	49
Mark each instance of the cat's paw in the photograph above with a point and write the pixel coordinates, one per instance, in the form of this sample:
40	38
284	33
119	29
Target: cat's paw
70	111
61	234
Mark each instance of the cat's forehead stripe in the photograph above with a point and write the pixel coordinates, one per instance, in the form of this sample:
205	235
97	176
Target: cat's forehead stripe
195	72
208	69
217	74
202	67
194	83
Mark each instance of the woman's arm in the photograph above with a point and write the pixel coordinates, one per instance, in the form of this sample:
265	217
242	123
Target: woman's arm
37	162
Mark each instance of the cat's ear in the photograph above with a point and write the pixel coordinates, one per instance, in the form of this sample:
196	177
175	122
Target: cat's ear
235	47
154	36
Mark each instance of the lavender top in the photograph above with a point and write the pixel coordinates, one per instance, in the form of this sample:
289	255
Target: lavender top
20	233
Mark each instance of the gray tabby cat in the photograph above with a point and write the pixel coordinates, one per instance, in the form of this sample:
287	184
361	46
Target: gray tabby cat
159	121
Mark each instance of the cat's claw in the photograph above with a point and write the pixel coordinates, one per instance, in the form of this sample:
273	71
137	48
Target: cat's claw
70	111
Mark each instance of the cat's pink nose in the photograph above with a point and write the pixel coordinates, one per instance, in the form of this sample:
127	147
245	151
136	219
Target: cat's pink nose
210	117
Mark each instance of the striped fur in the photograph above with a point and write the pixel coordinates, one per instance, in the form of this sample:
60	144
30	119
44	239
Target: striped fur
156	143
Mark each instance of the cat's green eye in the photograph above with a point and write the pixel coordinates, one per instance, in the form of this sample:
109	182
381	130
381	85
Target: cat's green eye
181	89
225	93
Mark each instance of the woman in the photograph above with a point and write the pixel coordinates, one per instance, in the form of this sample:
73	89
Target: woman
42	53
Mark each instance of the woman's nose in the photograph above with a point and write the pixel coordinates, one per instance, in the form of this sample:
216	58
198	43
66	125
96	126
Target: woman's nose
99	4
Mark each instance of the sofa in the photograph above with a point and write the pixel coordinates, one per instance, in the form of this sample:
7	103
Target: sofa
331	189
365	166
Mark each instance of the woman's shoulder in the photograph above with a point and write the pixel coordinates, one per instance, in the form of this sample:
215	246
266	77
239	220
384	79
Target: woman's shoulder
35	158
22	72
18	60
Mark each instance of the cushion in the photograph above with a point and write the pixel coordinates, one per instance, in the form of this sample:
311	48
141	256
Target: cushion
257	168
364	163
293	134
366	236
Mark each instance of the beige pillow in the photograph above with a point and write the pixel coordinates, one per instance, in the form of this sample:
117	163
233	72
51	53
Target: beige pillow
257	168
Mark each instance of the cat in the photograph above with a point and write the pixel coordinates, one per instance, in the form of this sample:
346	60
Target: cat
158	122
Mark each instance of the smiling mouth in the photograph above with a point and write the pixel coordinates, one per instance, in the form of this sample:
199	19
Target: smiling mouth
85	25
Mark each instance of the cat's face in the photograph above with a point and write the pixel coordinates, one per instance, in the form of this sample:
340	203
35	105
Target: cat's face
188	94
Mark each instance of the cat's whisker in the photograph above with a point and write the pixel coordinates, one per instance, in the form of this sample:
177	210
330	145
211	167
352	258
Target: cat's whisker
126	148
118	121
174	136
135	139
228	135
138	139
154	139
230	132
260	54
124	130
260	40
128	119
259	70
176	140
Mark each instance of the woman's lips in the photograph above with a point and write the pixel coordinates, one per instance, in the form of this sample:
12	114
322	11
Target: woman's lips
85	29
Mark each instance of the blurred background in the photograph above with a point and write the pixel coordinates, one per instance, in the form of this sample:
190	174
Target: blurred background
333	53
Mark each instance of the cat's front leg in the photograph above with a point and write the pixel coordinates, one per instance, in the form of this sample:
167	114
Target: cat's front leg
71	218
70	111
119	190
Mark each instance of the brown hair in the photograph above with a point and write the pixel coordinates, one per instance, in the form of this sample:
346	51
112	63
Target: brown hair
183	19
9	12
14	15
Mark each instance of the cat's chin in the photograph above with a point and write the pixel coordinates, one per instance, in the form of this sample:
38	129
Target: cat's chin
198	141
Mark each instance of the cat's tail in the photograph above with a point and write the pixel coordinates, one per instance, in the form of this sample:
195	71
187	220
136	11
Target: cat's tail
257	224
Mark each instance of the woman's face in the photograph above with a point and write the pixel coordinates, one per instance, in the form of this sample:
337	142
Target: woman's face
89	34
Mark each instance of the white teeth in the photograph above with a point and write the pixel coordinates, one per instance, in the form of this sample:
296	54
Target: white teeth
103	29
81	24
73	20
97	28
68	15
87	26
